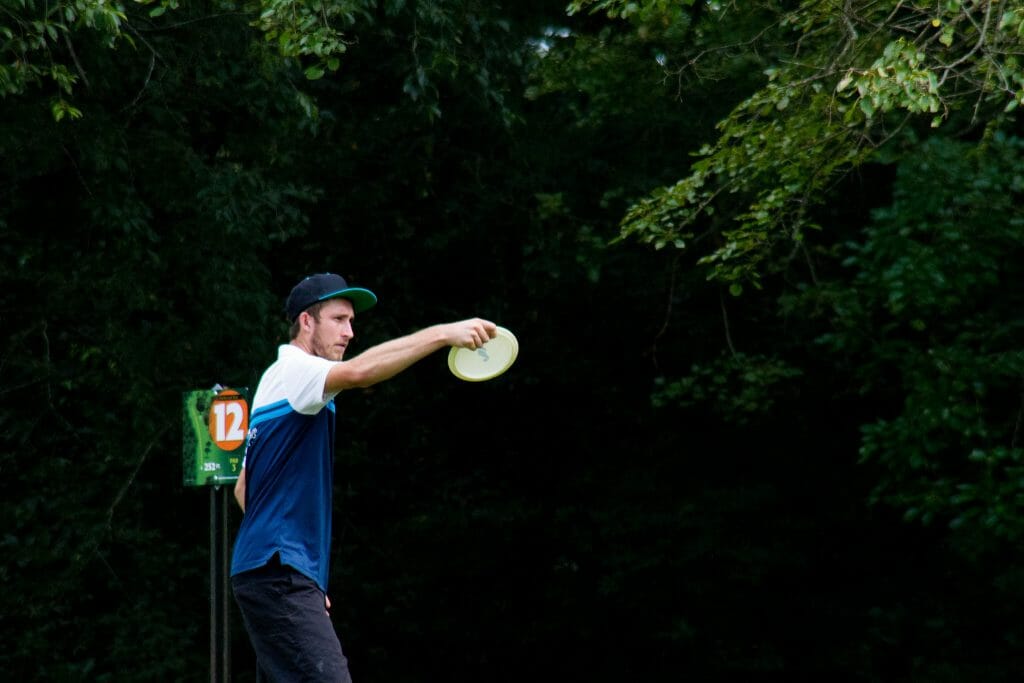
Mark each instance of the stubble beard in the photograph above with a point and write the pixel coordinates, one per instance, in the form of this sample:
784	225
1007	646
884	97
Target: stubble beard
323	350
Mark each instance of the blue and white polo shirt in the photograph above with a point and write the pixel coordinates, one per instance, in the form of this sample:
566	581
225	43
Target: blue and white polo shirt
289	465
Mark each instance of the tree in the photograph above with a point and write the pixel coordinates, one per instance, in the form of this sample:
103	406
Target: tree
841	79
468	158
133	240
39	40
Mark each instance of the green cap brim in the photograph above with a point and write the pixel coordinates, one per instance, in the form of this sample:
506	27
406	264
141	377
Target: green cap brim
361	299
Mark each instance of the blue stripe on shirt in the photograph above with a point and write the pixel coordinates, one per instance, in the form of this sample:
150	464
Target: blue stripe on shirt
270	411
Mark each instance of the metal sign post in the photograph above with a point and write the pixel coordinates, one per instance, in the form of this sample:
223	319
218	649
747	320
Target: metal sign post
215	422
220	641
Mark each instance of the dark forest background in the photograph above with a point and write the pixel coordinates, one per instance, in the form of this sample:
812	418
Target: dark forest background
818	477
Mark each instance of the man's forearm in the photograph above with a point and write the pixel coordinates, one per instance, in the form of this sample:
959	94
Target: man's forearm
386	360
240	489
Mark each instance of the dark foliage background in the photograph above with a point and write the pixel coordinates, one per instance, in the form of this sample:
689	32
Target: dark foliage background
671	483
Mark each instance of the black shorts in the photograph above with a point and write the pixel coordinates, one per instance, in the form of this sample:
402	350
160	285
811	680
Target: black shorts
287	621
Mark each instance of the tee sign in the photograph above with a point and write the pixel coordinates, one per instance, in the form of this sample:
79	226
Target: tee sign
215	423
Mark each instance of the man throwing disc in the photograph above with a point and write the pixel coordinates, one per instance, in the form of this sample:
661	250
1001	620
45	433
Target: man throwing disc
281	561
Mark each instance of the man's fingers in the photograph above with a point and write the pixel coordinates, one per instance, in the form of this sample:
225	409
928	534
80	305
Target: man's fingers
485	331
475	332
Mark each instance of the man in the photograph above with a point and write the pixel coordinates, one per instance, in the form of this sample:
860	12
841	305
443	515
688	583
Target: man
281	560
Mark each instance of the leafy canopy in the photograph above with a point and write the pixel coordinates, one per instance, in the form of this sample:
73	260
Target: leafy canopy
840	79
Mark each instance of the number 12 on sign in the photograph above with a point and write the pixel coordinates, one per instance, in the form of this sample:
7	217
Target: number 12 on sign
229	420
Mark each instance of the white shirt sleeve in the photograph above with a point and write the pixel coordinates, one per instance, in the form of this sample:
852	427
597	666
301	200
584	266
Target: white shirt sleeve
295	377
305	377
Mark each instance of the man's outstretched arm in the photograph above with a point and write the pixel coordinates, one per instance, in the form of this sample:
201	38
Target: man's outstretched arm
386	360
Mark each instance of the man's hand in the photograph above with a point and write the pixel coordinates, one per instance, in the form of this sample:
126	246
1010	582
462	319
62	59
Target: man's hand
470	334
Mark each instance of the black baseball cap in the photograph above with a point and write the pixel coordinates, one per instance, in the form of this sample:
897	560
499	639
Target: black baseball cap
324	286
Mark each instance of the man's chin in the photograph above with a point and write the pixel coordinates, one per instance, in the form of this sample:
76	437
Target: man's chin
329	353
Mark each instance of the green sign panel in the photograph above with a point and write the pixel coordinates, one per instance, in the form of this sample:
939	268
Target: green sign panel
214	425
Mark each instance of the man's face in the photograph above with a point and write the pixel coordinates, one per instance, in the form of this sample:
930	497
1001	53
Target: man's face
332	329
